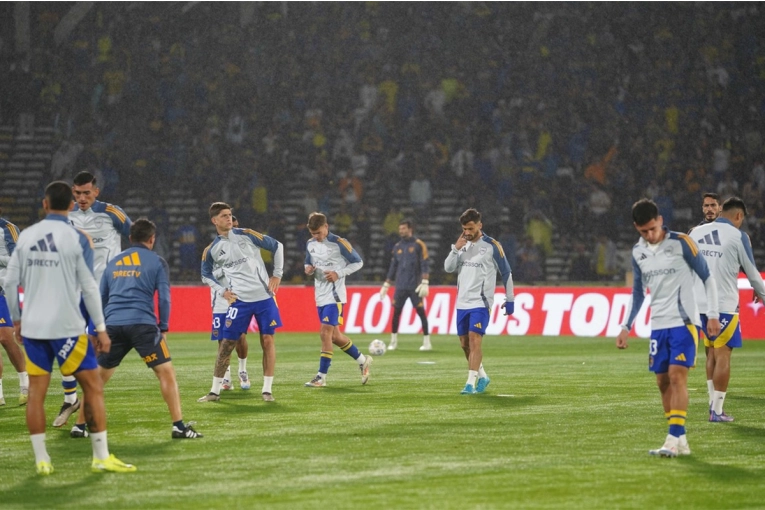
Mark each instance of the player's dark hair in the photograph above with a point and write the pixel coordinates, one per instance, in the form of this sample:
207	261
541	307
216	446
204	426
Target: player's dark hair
316	220
734	203
713	196
406	222
141	230
643	211
83	178
59	196
233	219
470	215
217	207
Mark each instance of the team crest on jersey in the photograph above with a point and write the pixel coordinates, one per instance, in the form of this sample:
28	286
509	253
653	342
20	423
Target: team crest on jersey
411	249
400	251
650	361
228	323
669	250
481	251
99	222
242	244
215	333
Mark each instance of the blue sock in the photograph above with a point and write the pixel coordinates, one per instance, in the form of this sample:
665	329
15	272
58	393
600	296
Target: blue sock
351	350
179	425
325	361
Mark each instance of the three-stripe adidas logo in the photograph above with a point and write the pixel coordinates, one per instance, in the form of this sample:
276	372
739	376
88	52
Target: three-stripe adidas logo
681	357
273	323
477	325
643	256
45	244
711	238
130	260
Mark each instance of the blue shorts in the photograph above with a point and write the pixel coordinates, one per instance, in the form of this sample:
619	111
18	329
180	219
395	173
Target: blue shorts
331	315
475	319
672	346
217	326
240	314
730	334
74	354
5	312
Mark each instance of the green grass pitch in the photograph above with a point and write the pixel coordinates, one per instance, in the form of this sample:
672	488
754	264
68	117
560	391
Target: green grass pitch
565	423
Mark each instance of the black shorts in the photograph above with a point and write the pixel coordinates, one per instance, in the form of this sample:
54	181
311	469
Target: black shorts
401	295
144	338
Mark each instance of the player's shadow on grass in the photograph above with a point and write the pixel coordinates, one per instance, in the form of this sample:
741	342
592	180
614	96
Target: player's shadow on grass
497	401
721	473
750	432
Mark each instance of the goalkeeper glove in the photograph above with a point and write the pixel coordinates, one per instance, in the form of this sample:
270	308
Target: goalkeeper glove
422	289
509	307
384	290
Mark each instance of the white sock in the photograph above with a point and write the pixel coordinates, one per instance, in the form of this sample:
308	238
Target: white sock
242	364
717	404
682	439
711	391
100	447
38	445
23	379
472	374
671	440
227	375
217	381
361	359
481	371
426	340
1	389
393	338
267	382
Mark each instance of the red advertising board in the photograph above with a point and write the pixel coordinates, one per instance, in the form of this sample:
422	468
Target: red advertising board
549	311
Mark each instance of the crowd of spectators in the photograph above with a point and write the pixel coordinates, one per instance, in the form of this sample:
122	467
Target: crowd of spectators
566	113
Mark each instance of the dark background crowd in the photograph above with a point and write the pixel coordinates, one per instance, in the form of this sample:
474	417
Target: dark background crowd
550	118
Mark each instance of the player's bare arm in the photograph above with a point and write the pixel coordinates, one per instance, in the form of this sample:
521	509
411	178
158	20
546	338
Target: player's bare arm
621	339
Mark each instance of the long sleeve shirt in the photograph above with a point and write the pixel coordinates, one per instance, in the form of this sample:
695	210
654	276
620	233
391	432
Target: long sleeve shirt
409	263
477	264
105	224
332	254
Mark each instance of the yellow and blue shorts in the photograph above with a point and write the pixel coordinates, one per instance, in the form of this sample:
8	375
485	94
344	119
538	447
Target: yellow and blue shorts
217	326
73	354
5	313
730	333
475	320
331	315
240	314
672	346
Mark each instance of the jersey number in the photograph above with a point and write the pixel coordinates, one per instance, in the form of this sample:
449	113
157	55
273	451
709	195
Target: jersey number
231	314
216	322
653	347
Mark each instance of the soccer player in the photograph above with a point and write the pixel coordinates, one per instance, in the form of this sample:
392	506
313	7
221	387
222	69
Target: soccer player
476	258
105	224
10	236
219	310
664	262
53	262
127	292
329	259
250	292
725	249
409	266
710	206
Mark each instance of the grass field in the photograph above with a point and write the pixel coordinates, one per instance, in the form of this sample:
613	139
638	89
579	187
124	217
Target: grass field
565	423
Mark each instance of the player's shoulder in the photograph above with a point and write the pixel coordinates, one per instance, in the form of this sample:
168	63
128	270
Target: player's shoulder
248	232
340	241
209	247
110	209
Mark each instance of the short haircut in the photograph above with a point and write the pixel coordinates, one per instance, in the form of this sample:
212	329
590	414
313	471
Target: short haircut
59	196
316	220
141	230
643	211
734	203
470	215
83	178
713	196
406	222
217	207
233	218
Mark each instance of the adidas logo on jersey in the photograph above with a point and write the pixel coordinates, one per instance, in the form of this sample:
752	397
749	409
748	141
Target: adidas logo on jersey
45	244
680	358
130	260
643	256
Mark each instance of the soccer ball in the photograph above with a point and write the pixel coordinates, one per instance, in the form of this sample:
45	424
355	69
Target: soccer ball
377	347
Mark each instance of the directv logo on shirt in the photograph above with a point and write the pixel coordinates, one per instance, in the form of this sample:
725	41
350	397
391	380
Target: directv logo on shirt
42	263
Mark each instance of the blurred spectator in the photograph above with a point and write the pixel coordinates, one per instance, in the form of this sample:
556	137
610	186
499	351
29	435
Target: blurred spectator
509	242
580	265
392	221
189	253
342	222
728	187
604	258
420	196
529	260
540	229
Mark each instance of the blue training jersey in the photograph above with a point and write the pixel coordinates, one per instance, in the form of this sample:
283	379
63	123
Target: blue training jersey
128	286
409	263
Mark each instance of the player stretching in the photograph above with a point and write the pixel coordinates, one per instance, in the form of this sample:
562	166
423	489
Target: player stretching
219	310
725	248
105	224
409	266
53	262
237	252
10	236
476	258
330	259
664	262
131	280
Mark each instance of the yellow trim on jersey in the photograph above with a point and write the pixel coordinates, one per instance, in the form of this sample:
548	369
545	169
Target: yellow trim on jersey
14	231
33	369
424	249
345	243
76	355
727	333
339	314
119	214
690	243
252	232
204	252
499	247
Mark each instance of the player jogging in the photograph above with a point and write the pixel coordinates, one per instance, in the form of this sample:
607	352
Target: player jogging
476	258
665	262
725	249
409	267
329	259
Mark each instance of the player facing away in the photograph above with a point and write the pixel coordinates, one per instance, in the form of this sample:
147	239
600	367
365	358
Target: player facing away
106	224
665	262
250	292
10	236
329	259
476	258
219	310
409	268
53	262
130	281
725	249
